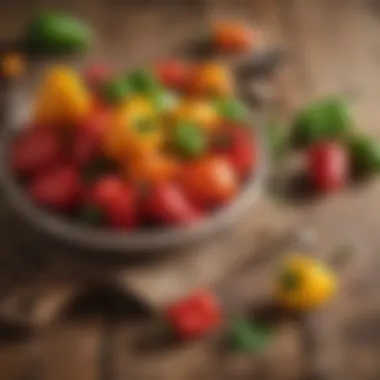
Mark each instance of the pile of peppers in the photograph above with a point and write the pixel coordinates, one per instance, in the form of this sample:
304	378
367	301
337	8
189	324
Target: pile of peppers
159	146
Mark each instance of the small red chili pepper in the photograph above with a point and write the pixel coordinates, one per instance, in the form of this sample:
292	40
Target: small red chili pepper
195	315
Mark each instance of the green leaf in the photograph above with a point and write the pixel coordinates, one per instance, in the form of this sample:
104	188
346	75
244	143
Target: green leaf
189	140
249	336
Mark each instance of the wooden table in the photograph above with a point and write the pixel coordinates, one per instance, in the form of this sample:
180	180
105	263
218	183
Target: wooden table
333	48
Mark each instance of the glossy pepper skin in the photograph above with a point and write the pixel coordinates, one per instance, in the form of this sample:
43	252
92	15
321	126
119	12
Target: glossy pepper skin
327	166
134	130
195	315
62	100
324	120
304	283
57	33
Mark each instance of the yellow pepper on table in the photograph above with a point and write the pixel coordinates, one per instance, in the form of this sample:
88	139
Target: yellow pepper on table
305	283
135	128
62	99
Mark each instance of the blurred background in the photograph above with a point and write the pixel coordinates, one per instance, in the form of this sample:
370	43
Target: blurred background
327	48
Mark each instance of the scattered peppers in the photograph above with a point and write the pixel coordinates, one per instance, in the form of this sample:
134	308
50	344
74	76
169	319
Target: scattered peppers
304	284
231	109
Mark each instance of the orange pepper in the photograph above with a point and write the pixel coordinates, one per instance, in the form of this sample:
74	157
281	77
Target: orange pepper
134	129
152	167
233	37
212	79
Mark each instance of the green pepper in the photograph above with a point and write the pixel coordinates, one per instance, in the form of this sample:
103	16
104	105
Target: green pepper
115	90
57	33
231	109
246	336
328	119
188	140
364	154
143	82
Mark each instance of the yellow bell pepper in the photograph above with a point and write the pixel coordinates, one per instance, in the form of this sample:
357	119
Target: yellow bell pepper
134	128
62	99
212	79
304	284
198	111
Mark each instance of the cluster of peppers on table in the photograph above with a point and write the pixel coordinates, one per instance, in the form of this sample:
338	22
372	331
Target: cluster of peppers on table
303	284
161	146
335	152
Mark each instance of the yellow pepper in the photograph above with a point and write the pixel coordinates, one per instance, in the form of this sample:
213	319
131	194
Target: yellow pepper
134	128
198	111
62	99
212	79
305	284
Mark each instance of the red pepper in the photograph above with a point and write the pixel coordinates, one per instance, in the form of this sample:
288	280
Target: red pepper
167	204
238	146
35	150
59	188
195	315
173	73
88	137
327	165
117	200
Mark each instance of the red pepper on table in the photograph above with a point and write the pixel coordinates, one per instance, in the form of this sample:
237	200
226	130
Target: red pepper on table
195	315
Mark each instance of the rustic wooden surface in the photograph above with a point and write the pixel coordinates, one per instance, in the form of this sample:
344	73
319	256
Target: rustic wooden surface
333	48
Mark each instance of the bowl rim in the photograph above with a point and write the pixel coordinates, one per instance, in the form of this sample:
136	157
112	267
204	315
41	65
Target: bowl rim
117	242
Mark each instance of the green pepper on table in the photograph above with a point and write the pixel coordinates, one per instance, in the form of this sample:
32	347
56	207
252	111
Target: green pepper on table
57	33
364	153
324	120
